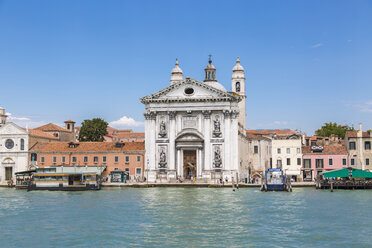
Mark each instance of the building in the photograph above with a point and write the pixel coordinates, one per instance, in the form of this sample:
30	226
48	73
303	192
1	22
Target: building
287	154
13	149
319	158
259	154
358	144
119	135
192	127
126	157
62	134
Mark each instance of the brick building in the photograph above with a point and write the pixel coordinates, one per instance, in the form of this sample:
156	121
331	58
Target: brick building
126	157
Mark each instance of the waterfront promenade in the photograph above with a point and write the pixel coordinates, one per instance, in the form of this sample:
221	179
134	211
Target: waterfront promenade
197	184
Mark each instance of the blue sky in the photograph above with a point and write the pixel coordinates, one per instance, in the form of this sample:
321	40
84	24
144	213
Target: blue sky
307	62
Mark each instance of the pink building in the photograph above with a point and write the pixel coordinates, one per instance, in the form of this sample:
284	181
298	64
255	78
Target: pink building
318	159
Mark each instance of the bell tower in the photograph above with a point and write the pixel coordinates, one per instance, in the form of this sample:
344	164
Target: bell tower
210	71
238	87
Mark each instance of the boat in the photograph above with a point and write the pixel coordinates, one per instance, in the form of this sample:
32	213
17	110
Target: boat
276	180
75	178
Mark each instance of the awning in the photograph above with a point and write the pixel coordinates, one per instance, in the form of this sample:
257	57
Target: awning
25	172
347	172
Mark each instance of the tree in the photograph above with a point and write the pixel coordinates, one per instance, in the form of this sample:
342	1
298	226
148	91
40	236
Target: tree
333	128
93	130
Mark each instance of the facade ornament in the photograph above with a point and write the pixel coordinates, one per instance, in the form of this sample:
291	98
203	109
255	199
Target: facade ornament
163	159
172	115
217	160
147	115
153	115
227	114
234	114
217	127
206	114
163	130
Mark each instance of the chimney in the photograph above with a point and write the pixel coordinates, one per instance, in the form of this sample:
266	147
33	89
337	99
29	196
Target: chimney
360	126
360	131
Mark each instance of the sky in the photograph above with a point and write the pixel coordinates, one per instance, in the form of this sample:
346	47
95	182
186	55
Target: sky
306	62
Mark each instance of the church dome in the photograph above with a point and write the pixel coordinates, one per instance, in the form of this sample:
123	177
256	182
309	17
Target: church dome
216	85
238	67
177	69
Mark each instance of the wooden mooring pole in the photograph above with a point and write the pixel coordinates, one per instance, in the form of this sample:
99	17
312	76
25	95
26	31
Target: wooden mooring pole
331	186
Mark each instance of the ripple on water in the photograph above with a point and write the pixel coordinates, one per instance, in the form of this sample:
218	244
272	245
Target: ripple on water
185	217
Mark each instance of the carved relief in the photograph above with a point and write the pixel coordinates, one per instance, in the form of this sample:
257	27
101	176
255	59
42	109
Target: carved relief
217	127
162	129
217	159
207	114
172	115
162	157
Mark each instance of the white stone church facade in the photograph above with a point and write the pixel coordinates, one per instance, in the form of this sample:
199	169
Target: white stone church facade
196	129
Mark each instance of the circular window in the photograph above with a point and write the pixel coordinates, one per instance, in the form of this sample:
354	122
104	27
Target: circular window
189	91
9	143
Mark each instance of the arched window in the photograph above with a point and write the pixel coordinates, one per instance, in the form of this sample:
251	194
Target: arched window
22	144
237	86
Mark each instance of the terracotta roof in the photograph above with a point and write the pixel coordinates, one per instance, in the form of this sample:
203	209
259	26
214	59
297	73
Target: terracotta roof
271	131
88	147
51	127
354	134
254	136
70	121
326	149
41	134
128	135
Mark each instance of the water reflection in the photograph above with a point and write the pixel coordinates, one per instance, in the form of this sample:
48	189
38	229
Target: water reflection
191	217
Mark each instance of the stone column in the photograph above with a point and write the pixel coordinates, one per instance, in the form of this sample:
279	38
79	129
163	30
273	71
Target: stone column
207	140
172	141
152	144
199	162
179	162
234	142
228	146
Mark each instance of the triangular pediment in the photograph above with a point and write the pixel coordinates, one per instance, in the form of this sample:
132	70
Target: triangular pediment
11	128
190	90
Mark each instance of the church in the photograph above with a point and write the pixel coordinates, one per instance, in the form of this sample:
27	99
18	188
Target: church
196	129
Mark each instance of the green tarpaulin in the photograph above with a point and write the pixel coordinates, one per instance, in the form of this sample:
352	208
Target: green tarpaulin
346	173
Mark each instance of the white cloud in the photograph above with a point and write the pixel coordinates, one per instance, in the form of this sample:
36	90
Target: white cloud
280	123
125	122
365	107
317	45
24	121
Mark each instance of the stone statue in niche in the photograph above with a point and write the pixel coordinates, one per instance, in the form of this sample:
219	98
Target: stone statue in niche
217	128
163	159
163	130
217	160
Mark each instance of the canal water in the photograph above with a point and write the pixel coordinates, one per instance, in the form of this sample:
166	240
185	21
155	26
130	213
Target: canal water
186	217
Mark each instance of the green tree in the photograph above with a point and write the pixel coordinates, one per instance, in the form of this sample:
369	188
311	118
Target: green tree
333	128
93	130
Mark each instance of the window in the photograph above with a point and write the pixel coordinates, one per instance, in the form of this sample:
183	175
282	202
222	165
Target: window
42	159
344	161
367	145
255	149
237	86
351	145
138	158
352	161
288	150
22	144
298	150
330	161
63	159
367	161
95	159
307	163
127	169
319	163
288	161
116	159
138	171
279	164
104	159
279	151
85	159
33	157
298	161
126	159
54	159
116	169
74	159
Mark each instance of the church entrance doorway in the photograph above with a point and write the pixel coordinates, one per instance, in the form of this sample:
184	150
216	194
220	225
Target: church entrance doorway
189	163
